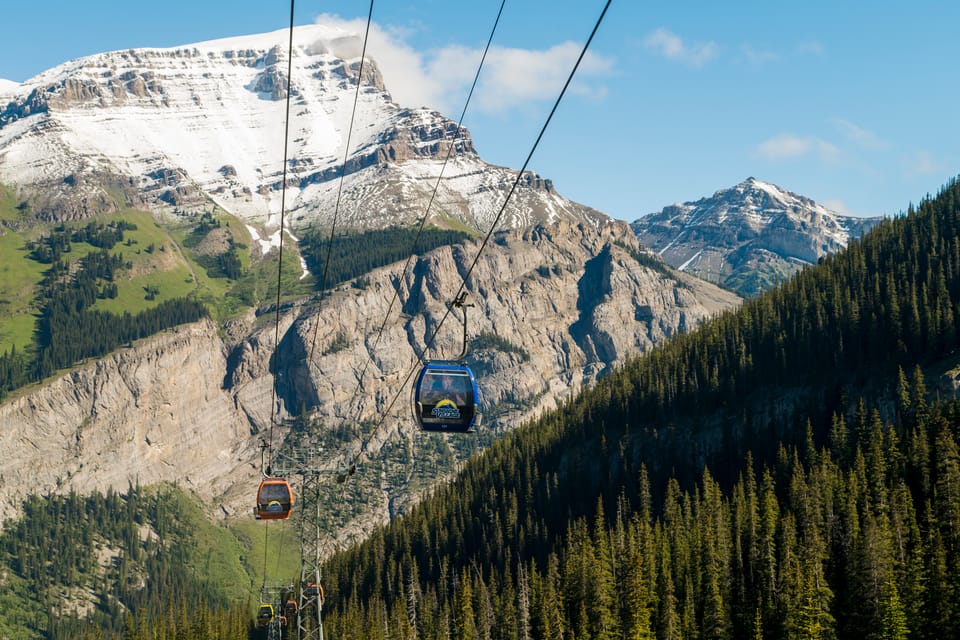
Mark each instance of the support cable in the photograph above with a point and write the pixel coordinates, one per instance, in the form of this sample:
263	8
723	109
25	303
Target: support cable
276	331
283	207
343	174
426	215
496	221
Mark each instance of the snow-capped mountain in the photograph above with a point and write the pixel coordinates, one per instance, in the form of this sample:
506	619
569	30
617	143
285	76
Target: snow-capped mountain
747	237
180	127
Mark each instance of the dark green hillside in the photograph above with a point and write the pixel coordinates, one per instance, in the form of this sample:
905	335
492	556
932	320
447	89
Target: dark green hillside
779	473
355	254
130	566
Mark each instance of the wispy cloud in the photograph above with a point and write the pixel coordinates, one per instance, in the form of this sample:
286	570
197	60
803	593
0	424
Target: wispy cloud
838	206
757	56
922	163
440	78
787	146
664	43
811	47
514	77
860	136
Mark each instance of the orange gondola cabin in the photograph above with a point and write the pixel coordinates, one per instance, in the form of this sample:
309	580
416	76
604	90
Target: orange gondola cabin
274	499
314	590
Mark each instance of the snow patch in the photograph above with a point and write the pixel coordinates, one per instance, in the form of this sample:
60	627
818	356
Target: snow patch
687	263
8	88
272	241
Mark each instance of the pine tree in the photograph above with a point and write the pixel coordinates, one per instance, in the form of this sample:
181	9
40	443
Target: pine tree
604	621
464	622
893	622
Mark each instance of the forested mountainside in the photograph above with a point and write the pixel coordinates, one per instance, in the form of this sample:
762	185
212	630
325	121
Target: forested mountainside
157	563
85	268
782	472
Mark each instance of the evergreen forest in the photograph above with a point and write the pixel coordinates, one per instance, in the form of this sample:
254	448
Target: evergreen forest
136	565
344	257
68	329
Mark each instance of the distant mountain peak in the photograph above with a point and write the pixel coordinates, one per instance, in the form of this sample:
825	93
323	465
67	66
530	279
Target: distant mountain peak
749	236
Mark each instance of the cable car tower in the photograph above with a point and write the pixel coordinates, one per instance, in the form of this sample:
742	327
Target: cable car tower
267	615
308	466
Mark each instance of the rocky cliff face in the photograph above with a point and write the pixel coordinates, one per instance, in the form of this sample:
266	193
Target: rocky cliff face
144	414
192	404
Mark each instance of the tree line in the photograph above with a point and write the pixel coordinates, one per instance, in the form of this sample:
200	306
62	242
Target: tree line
113	566
51	247
348	256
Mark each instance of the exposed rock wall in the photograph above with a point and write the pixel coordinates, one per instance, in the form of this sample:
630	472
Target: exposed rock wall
192	404
144	414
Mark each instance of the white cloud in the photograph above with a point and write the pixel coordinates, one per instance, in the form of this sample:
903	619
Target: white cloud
756	57
860	136
838	206
440	79
811	47
787	146
671	46
512	77
403	68
783	146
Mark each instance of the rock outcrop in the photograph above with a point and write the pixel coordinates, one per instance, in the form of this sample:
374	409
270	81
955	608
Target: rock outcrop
148	413
192	404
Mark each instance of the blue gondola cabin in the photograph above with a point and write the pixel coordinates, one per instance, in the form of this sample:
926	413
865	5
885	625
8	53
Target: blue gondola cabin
446	398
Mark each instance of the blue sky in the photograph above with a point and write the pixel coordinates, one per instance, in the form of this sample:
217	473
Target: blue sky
852	104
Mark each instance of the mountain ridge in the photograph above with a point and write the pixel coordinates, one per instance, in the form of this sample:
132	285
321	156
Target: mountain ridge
187	126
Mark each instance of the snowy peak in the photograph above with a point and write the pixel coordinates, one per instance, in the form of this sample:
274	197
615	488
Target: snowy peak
749	236
181	128
757	204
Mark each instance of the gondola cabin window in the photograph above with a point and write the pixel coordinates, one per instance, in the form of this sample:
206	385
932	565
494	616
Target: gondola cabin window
264	614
